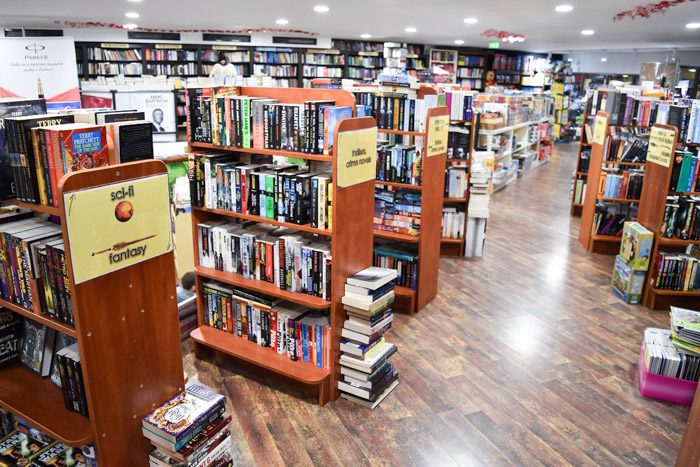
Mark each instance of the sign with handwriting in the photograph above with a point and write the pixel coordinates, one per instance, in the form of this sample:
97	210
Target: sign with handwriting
437	135
599	129
357	157
662	142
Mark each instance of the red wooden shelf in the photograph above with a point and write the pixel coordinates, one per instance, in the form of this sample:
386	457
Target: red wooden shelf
264	357
267	288
606	238
42	208
305	227
690	293
455	200
675	241
401	132
399	237
582	174
451	240
633	164
40	318
265	152
40	402
400	291
408	186
619	200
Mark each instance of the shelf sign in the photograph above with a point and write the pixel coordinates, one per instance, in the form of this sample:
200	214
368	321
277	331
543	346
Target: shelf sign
169	46
224	47
368	54
115	226
494	45
599	128
113	45
437	135
357	157
662	142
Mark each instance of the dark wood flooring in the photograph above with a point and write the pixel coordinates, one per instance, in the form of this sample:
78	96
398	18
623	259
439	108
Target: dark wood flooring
525	358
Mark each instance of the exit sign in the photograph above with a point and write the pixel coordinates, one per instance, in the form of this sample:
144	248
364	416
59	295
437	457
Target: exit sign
494	45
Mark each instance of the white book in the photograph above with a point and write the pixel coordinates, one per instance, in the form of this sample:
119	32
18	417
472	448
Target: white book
362	327
370	404
366	364
372	277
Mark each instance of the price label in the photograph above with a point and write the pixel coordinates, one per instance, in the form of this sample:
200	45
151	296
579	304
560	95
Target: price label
357	157
599	129
437	135
662	142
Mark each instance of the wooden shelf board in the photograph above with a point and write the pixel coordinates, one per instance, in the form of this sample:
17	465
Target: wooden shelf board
400	185
263	357
41	319
250	217
399	237
676	293
451	240
578	204
619	200
40	402
606	238
267	288
634	164
401	132
690	193
265	152
42	208
400	291
674	241
582	173
455	200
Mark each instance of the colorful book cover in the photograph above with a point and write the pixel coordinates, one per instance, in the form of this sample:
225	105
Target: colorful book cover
83	148
19	448
59	455
332	116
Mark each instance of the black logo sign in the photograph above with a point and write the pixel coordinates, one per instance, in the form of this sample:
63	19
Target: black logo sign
36	48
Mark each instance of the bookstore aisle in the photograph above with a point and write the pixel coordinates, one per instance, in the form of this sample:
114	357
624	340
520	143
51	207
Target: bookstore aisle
525	357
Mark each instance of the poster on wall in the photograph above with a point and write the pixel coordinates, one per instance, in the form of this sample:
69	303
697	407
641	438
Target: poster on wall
35	67
158	108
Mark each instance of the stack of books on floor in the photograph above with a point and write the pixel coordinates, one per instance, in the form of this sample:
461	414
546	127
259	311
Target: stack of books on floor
192	429
367	374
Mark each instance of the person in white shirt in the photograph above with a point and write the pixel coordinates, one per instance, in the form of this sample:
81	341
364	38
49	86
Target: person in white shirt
223	72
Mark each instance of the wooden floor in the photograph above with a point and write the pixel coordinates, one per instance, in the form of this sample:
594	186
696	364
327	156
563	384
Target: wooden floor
525	358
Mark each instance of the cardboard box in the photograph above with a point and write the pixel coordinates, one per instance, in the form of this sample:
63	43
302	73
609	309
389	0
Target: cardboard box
627	283
635	247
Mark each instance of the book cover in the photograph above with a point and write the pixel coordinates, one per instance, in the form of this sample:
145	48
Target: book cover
83	147
10	337
37	347
19	448
332	116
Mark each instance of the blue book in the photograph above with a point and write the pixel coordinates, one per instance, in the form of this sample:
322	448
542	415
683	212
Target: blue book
333	115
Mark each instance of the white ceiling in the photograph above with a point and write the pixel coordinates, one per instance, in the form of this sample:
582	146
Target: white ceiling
437	21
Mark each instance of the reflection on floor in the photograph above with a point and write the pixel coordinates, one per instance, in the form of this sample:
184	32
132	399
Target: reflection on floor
526	357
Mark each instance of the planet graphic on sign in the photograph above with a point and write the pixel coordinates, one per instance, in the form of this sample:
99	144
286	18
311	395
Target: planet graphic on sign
124	211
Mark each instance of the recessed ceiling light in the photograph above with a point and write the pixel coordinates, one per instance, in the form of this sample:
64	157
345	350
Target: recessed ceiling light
470	20
563	8
129	26
569	59
588	32
692	70
132	14
625	76
410	29
366	36
134	1
693	25
321	9
282	21
604	59
459	41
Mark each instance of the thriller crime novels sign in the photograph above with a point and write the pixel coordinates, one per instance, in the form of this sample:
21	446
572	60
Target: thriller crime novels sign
661	145
357	157
115	226
599	129
437	135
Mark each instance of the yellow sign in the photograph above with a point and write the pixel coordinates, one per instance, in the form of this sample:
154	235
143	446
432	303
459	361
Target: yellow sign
599	128
661	146
224	47
169	46
115	226
113	45
357	157
368	54
437	135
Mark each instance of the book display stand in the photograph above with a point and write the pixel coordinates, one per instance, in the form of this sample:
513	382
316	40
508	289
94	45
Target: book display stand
579	174
127	331
351	251
432	191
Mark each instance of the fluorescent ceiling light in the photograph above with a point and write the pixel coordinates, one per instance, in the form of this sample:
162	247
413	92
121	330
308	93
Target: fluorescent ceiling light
459	41
131	14
321	9
366	36
563	8
693	25
410	29
129	26
692	70
282	21
604	59
569	59
470	20
134	1
587	32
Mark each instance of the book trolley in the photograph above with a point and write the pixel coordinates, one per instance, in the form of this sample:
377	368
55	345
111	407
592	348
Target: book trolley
127	332
432	191
351	251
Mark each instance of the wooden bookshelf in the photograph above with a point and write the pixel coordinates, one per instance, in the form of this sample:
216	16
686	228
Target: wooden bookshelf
40	318
128	336
656	188
577	208
351	250
432	190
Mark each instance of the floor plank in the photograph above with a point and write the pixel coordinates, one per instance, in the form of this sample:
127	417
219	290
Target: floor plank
526	357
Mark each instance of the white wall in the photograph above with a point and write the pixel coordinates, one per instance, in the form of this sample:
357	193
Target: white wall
626	62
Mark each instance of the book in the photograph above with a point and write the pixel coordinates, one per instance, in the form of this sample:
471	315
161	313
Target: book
129	141
180	419
368	302
37	347
19	448
59	455
369	365
333	116
368	403
196	444
372	277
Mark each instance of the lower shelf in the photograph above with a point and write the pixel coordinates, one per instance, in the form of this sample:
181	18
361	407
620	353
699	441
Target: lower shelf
606	238
452	240
400	291
40	403
261	356
676	293
399	237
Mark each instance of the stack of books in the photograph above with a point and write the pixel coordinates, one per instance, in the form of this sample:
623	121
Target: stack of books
191	429
368	375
